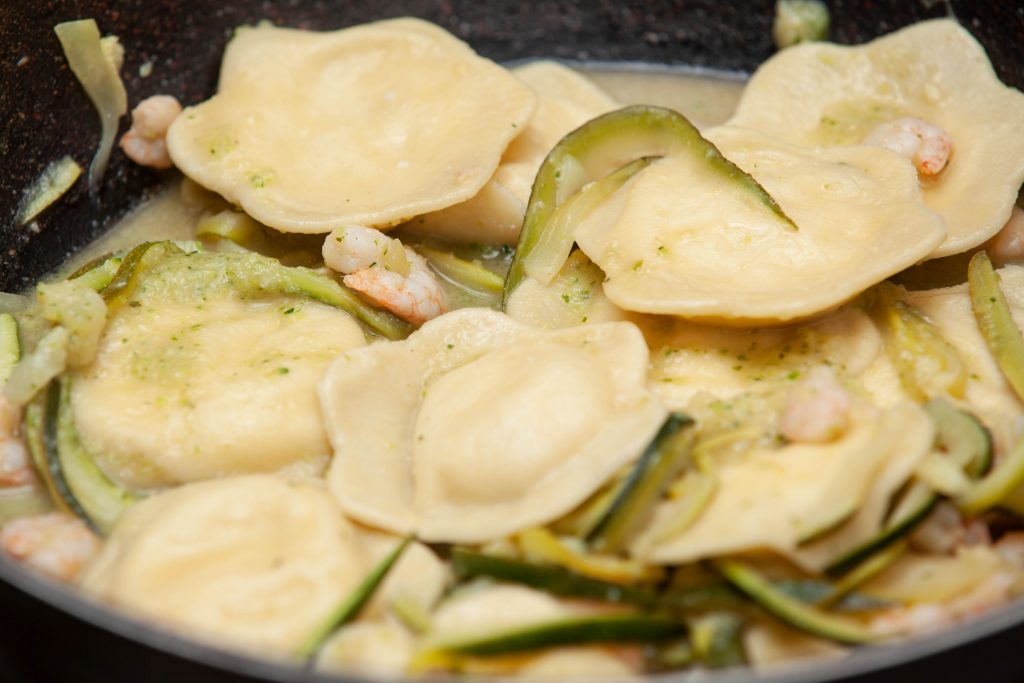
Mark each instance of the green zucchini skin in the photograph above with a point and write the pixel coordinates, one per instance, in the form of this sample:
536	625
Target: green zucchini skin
995	321
606	143
961	436
616	628
468	565
717	639
76	478
789	609
663	460
354	602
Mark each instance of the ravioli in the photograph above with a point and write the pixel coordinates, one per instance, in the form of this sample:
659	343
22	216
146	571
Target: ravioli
477	426
199	382
688	358
369	125
776	498
822	94
566	100
715	252
252	562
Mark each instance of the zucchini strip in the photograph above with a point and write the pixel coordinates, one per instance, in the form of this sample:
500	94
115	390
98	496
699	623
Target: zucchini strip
917	503
468	565
354	602
555	242
542	546
961	437
32	427
927	364
663	460
995	321
788	609
56	179
604	144
10	347
86	490
997	486
862	573
717	639
613	628
468	274
98	274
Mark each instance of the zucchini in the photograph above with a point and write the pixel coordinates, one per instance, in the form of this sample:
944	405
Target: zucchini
663	460
863	572
816	592
995	321
555	242
717	639
991	491
354	602
99	273
927	364
541	546
85	489
230	225
914	507
470	275
608	628
129	272
32	426
604	144
960	436
10	347
468	565
789	609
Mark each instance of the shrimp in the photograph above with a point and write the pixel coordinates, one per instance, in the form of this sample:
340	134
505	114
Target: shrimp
925	144
56	543
385	271
817	408
1008	244
145	142
15	468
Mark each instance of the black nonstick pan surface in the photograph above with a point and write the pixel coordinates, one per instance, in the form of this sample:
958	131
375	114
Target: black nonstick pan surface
49	633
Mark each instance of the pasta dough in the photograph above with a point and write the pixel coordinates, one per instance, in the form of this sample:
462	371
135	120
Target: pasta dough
252	562
715	252
476	426
199	382
822	94
368	125
566	100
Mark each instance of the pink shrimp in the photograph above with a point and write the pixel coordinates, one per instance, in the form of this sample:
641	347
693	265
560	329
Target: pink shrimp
925	144
145	142
56	543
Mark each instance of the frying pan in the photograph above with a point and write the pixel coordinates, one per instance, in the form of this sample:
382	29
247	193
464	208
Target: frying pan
47	631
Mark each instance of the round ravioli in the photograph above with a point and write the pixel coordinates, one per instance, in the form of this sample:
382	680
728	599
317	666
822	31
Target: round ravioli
368	125
477	426
715	250
197	383
822	94
566	100
779	498
253	562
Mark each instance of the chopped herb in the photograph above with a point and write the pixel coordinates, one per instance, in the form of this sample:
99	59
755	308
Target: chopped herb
282	371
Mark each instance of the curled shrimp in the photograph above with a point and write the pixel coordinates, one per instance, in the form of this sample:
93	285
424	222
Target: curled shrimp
925	144
15	468
56	543
385	271
817	408
145	142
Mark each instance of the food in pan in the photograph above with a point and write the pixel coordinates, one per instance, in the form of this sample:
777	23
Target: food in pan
455	368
